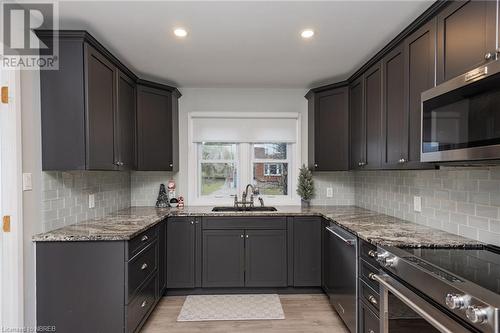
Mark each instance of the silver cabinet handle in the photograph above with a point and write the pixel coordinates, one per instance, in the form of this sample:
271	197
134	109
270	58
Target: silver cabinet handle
143	304
241	236
246	236
171	165
371	331
402	160
192	222
315	165
144	266
360	163
144	238
488	56
373	300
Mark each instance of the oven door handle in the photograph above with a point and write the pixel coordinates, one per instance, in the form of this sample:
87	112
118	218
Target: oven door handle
433	316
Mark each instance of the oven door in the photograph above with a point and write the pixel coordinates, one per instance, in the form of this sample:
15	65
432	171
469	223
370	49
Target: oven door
461	117
404	311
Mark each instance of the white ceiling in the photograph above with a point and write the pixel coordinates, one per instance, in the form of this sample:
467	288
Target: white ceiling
242	44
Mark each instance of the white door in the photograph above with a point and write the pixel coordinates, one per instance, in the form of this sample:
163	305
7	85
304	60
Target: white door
11	259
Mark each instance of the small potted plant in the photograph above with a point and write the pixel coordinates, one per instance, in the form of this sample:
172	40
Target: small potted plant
305	187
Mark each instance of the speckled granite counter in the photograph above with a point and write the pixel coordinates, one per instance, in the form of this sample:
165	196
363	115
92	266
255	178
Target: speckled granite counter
371	226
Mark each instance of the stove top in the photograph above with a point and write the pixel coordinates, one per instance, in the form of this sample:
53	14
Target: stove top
479	266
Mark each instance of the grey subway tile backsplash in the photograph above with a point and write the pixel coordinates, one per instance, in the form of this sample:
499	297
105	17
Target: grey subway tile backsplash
65	195
461	200
342	184
145	186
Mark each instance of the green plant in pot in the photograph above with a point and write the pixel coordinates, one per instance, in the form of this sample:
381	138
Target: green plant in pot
305	187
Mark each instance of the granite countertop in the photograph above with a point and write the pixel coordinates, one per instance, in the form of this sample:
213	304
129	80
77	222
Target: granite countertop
376	228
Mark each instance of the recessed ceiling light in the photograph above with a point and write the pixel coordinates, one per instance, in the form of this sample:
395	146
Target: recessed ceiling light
180	32
307	33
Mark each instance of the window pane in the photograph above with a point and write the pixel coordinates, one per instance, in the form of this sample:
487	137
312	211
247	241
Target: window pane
218	179
271	178
274	151
218	151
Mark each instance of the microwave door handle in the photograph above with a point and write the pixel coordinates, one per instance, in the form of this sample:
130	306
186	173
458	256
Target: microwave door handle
433	316
345	240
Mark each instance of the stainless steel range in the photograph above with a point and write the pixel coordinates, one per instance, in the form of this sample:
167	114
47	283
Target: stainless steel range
439	290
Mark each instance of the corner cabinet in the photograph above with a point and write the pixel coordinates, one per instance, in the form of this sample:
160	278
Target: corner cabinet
157	128
88	112
328	119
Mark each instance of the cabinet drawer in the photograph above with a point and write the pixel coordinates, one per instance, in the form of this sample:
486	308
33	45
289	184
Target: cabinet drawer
136	244
365	271
369	295
248	223
368	252
140	306
141	267
368	321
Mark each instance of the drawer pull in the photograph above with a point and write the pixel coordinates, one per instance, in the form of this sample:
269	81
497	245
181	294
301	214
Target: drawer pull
144	238
371	276
373	300
144	303
371	331
144	266
372	253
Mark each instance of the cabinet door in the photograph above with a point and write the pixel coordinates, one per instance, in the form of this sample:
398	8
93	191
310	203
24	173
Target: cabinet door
466	35
100	101
394	131
125	123
331	130
223	258
368	321
357	124
162	257
420	51
373	110
181	253
265	258
154	129
307	252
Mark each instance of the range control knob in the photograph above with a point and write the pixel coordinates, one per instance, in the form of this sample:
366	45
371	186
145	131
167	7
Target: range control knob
456	302
386	259
476	314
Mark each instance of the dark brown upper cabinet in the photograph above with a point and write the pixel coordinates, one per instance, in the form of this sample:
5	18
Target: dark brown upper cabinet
125	122
466	37
100	79
157	128
420	69
394	114
88	110
373	116
357	124
329	130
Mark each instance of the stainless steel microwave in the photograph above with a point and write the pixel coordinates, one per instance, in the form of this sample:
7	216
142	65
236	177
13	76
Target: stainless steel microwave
461	117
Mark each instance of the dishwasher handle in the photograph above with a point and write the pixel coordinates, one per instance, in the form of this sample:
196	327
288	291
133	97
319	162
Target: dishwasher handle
351	241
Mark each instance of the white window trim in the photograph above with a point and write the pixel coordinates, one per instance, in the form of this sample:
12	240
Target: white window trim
245	171
11	252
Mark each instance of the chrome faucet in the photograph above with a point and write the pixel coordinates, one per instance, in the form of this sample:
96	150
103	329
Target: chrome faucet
244	202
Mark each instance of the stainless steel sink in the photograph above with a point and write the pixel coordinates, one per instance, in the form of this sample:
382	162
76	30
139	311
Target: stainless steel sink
244	209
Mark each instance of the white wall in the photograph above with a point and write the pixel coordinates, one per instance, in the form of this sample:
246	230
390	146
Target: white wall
235	100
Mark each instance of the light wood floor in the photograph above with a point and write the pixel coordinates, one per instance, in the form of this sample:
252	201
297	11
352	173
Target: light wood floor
303	313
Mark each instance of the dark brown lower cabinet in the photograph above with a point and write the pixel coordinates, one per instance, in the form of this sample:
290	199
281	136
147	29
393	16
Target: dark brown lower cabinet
223	258
183	252
368	320
98	286
244	258
265	258
307	251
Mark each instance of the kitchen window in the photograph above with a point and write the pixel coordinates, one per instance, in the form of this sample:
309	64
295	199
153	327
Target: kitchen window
224	169
218	169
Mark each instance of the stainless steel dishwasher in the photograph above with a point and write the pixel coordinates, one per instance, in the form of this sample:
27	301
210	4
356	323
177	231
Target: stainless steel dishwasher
340	273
